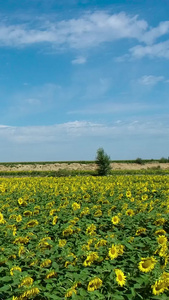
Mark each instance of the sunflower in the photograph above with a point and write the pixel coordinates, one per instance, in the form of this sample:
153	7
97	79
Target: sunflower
21	250
21	240
128	194
20	201
68	231
160	222
52	212
55	219
120	277
113	252
62	243
163	250
130	212
94	284
75	206
147	264
115	220
51	274
1	218
30	293
70	293
15	268
140	231
27	213
72	290
32	223
98	213
45	263
90	259
19	218
144	197
159	287
162	240
27	281
100	243
91	229
160	231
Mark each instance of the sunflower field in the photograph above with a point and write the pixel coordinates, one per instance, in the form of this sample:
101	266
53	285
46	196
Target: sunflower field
84	238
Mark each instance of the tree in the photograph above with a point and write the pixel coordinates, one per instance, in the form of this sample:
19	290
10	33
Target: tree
103	162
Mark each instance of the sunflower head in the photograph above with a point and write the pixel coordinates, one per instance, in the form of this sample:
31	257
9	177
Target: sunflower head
120	277
113	252
115	220
162	240
147	264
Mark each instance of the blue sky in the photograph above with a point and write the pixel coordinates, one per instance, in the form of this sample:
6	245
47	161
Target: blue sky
76	75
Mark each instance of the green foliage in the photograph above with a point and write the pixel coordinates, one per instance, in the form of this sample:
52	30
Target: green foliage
163	160
103	162
85	208
139	161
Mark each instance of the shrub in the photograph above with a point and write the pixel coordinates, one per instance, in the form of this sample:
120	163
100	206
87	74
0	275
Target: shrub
139	161
103	162
163	160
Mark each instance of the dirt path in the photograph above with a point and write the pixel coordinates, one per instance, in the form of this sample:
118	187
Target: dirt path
78	166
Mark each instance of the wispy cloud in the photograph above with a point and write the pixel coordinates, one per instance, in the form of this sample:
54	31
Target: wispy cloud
150	79
110	108
79	60
59	141
154	33
155	50
77	129
88	30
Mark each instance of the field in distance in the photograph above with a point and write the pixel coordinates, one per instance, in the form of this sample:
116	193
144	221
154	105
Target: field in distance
81	165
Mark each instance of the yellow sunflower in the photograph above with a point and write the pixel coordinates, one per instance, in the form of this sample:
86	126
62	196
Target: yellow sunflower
140	231
15	268
1	218
159	287
62	243
120	277
51	274
113	252
130	212
160	232
27	281
94	284
128	194
147	264
162	240
55	219
115	220
19	218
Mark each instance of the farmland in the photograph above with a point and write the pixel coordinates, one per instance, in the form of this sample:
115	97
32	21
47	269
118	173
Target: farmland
84	237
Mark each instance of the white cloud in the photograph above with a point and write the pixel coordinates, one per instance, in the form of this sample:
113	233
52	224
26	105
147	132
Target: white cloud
89	30
156	50
151	35
79	140
79	60
80	129
150	79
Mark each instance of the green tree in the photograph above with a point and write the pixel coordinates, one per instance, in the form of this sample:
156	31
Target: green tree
103	162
